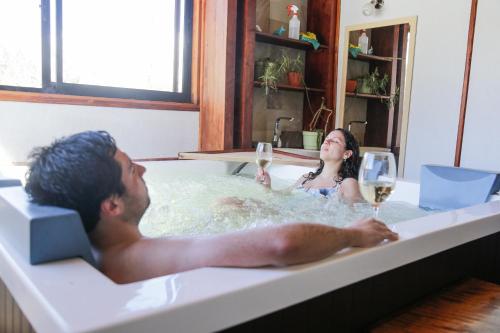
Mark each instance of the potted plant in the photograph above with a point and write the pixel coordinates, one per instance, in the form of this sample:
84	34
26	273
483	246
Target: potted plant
272	73
293	68
313	137
375	84
274	70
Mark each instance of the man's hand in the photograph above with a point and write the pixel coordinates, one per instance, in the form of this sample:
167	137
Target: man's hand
263	177
370	232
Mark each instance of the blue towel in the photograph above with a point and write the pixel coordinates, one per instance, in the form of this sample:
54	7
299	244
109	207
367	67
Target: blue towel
447	188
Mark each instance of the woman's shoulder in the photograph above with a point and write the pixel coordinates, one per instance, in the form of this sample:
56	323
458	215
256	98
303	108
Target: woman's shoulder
349	183
350	190
350	180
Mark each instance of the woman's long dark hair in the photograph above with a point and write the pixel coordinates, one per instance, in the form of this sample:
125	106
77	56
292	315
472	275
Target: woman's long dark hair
349	167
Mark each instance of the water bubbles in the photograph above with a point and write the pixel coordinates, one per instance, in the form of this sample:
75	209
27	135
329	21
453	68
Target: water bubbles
201	205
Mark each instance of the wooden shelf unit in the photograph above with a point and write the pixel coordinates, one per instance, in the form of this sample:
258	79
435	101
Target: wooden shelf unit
289	87
370	96
384	119
372	57
323	18
265	37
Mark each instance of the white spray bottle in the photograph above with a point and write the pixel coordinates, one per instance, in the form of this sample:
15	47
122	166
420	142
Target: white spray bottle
294	25
363	42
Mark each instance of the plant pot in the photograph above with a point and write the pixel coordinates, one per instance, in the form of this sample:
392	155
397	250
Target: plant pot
351	85
312	140
363	87
294	79
259	68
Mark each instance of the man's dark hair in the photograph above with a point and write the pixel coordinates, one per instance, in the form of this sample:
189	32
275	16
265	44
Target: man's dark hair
77	172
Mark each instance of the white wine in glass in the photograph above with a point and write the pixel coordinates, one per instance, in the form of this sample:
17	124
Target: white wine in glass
377	178
264	154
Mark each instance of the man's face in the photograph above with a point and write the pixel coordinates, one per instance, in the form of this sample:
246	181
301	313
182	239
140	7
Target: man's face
136	197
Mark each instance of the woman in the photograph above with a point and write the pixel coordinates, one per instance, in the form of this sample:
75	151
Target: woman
338	170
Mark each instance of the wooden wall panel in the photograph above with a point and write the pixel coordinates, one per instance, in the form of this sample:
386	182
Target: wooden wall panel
217	74
12	318
465	87
245	72
321	65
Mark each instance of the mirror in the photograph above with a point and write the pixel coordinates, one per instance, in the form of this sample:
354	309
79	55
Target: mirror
376	84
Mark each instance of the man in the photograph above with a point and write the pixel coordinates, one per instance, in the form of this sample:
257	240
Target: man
88	173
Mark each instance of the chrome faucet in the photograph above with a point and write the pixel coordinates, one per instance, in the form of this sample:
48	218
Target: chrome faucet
277	130
364	122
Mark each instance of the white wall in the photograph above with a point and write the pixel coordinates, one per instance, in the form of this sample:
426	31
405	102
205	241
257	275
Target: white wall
140	133
440	51
481	142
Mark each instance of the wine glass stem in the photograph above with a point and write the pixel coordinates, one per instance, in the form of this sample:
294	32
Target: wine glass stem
375	211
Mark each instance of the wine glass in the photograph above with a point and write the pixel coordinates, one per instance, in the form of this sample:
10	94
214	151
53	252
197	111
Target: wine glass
377	178
264	154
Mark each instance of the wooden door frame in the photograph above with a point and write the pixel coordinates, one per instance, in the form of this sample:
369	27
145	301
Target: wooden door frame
412	21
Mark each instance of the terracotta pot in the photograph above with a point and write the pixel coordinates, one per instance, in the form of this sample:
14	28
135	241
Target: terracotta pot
294	79
351	86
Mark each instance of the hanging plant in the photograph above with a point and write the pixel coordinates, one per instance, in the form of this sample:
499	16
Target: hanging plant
317	115
272	73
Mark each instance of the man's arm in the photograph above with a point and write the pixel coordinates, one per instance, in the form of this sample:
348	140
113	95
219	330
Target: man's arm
277	246
288	244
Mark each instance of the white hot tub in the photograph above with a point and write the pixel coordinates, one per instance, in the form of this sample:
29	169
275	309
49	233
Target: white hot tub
72	296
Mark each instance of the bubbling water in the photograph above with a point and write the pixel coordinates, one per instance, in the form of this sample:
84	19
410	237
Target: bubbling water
200	204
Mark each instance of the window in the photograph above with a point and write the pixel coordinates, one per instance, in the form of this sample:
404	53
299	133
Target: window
114	48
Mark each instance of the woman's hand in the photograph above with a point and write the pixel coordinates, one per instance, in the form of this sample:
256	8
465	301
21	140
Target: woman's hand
263	177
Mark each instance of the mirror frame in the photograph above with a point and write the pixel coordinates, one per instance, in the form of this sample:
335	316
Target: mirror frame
412	22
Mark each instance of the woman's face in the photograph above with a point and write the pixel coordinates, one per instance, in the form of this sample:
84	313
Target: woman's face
334	147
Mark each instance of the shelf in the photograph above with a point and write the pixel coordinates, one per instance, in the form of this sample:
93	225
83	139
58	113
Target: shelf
355	95
284	41
289	87
371	57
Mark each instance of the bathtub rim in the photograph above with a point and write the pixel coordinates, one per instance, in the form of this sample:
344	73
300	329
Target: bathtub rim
42	291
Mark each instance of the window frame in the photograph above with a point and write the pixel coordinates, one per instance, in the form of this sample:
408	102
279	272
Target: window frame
83	94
